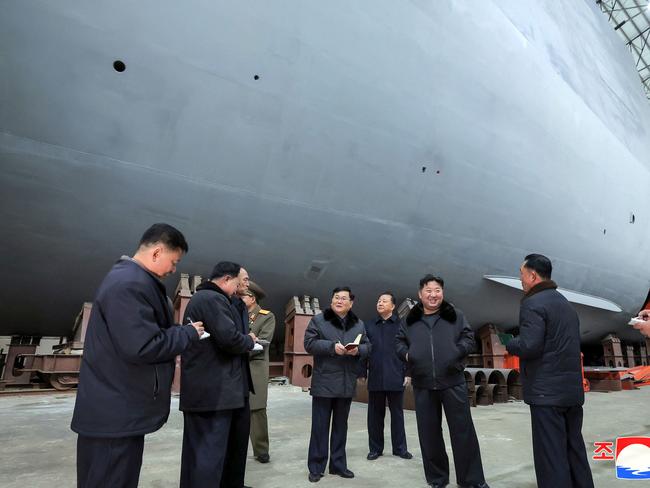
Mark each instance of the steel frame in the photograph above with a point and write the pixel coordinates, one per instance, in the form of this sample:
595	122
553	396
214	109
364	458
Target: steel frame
631	19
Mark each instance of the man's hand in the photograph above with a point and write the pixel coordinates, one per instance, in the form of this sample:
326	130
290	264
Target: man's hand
407	380
339	349
253	336
352	352
644	327
198	327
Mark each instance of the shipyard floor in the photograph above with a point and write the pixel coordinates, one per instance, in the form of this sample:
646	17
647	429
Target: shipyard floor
37	449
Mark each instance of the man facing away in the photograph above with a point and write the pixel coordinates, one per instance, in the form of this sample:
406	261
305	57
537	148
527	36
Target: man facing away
434	339
333	382
385	381
549	348
128	362
262	324
215	384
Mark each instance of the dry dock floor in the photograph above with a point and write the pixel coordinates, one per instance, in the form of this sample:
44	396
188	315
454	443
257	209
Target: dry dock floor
37	448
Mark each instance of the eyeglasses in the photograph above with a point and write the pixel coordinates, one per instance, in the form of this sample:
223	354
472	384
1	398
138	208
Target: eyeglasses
340	299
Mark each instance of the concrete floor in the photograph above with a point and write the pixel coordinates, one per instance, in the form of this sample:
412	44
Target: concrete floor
37	449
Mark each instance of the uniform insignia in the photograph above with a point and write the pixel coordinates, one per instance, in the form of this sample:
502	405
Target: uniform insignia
264	312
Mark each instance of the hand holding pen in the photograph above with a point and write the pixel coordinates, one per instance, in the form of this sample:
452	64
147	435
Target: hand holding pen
198	326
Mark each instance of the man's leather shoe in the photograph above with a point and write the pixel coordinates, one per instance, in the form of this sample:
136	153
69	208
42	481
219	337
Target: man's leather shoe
263	458
404	455
438	485
315	477
373	455
346	473
480	485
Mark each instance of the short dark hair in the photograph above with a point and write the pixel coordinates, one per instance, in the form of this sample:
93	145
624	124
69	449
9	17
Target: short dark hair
390	294
170	236
343	288
540	264
225	268
428	278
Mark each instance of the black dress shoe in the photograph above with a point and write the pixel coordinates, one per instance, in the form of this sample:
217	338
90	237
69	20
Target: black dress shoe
315	477
263	458
346	473
438	485
373	455
404	455
480	485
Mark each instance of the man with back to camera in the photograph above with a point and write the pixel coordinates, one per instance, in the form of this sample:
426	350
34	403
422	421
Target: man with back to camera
333	381
548	346
434	340
128	362
262	324
385	381
215	385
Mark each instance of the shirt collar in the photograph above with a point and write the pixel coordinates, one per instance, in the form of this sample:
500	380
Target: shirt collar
392	318
129	258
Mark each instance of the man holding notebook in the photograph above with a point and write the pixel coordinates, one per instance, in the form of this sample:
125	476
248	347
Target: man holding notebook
337	340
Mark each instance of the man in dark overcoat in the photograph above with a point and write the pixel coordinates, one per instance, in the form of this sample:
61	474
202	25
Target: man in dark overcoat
548	346
215	387
434	340
128	362
386	381
333	382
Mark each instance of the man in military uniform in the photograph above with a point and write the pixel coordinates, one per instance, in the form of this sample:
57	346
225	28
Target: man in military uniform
262	324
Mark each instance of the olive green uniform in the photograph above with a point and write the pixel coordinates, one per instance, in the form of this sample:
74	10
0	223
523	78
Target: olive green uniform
262	324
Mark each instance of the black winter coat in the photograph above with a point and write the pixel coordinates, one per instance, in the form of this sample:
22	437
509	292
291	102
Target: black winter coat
548	346
435	354
385	368
335	376
215	374
128	361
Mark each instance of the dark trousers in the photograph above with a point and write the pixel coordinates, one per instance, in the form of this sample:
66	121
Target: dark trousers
215	445
558	448
324	410
464	443
259	432
109	462
377	412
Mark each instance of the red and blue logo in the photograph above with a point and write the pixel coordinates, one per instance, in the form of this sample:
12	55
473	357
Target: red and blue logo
633	458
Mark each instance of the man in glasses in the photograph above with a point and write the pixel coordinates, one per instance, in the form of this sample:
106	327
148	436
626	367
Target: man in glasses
337	340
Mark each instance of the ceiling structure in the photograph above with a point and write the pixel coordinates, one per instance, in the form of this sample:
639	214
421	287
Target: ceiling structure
631	19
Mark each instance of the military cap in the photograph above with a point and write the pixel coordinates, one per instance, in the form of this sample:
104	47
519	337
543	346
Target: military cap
256	290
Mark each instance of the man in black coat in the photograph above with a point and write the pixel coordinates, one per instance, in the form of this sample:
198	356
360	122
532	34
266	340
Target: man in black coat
215	385
434	340
549	348
385	381
128	362
333	381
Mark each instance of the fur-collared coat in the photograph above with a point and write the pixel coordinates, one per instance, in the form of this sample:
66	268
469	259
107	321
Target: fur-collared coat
435	351
215	374
549	348
335	376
